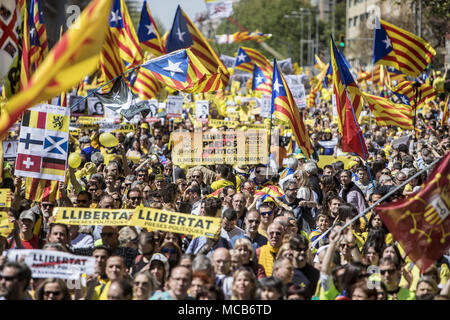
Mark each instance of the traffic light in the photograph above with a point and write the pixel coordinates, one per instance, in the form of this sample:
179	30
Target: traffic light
342	40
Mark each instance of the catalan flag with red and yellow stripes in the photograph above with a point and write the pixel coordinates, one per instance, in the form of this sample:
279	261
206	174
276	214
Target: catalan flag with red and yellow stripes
38	18
180	70
398	48
184	34
121	50
144	84
148	34
242	36
348	103
445	111
426	93
25	60
388	113
284	108
73	57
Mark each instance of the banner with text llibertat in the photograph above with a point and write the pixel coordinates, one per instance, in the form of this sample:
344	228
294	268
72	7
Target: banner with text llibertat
220	147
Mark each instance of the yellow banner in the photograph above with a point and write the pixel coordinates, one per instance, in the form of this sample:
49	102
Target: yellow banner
256	126
229	147
5	226
325	160
215	123
126	127
88	216
5	197
176	222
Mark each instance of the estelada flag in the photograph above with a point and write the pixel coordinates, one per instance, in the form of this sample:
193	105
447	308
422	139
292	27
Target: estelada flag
421	222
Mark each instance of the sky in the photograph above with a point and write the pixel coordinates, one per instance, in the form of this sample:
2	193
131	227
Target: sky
164	10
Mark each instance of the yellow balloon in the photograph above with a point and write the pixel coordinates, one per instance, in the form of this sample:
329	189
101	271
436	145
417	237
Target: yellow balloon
108	140
74	160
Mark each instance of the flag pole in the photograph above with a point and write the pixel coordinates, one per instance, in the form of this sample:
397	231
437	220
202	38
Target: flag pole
270	144
386	196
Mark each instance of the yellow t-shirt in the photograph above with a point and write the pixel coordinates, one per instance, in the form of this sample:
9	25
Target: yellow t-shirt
101	291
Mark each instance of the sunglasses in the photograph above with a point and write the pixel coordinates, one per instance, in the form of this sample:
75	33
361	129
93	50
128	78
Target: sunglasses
167	250
268	213
390	271
195	177
48	205
55	293
8	278
135	198
82	200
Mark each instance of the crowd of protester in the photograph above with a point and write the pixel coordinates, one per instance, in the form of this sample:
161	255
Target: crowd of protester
265	248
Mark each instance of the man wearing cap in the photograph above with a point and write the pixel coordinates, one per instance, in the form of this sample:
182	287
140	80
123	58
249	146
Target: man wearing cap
23	237
160	181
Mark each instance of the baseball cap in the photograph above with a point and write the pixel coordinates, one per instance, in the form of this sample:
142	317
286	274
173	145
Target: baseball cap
160	177
27	214
161	258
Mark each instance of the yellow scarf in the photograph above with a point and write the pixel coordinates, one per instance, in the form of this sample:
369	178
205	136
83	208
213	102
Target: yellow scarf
267	256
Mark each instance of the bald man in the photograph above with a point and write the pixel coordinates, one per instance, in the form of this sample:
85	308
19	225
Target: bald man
221	261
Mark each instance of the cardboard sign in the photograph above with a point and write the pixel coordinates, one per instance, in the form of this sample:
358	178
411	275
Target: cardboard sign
174	106
54	264
5	198
201	109
229	147
215	123
176	222
95	107
5	226
266	106
10	149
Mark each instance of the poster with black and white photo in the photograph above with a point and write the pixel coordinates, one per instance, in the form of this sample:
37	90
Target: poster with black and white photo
201	109
298	93
95	107
77	106
174	106
152	106
266	106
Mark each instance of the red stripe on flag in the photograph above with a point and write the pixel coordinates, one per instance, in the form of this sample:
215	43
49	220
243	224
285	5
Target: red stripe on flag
41	120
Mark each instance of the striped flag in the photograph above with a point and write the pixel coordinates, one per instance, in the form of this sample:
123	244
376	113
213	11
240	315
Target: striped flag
398	48
25	62
144	84
41	190
284	108
247	57
260	83
242	36
184	34
388	113
38	19
62	99
321	77
445	111
405	89
121	50
148	34
180	70
73	57
348	103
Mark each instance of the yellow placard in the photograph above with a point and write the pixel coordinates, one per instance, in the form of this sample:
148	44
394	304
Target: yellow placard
5	226
176	222
257	126
89	216
126	127
134	159
5	198
325	160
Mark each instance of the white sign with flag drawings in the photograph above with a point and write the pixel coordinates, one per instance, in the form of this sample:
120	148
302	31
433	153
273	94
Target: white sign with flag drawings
53	264
43	143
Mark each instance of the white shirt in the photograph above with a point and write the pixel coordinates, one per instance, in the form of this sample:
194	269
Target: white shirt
82	241
235	232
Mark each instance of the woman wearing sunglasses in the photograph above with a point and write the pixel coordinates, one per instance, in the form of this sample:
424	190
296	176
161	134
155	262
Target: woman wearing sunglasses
172	252
52	289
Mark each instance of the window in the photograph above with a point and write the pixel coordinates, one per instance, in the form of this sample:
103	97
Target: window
350	23
355	21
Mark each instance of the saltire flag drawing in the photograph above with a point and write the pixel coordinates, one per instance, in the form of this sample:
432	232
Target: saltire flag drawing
179	70
398	48
445	111
184	34
284	108
148	34
388	113
38	19
121	50
43	143
73	57
10	46
349	105
421	222
259	81
121	100
405	89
